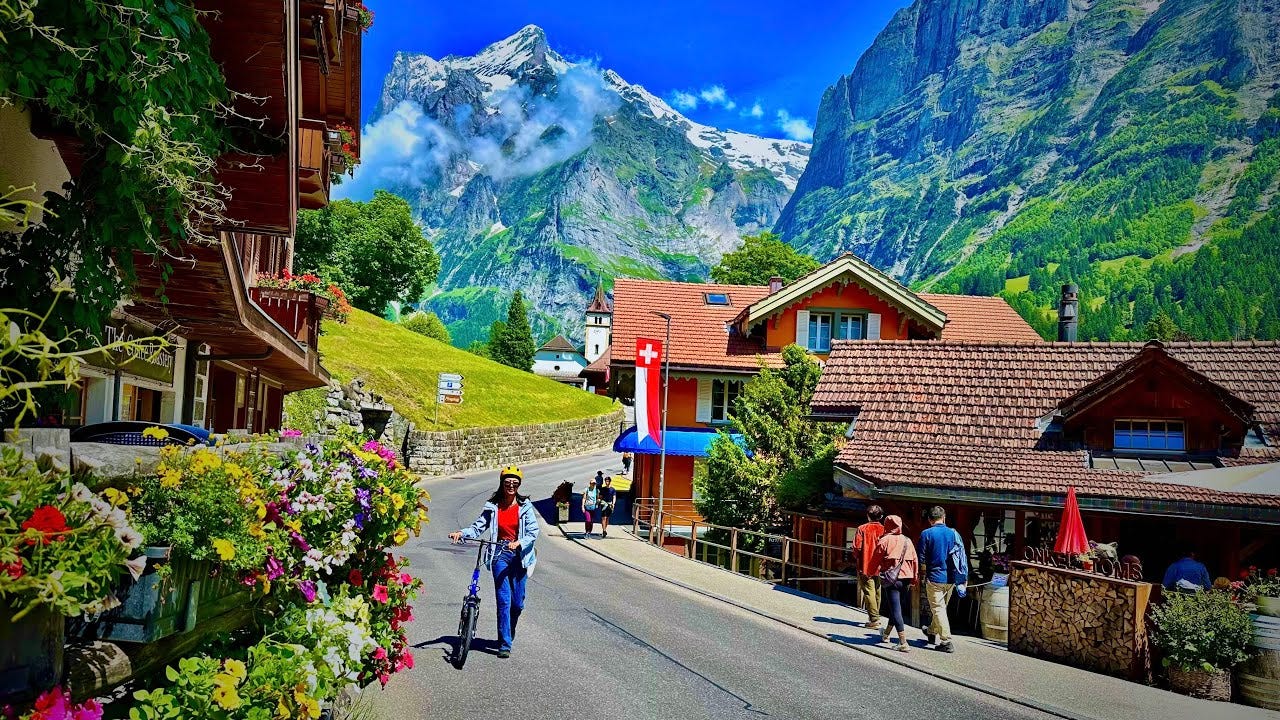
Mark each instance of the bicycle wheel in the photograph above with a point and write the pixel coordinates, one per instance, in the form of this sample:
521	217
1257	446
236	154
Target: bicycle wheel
466	632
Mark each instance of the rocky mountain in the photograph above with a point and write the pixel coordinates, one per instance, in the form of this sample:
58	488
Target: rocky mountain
532	172
1132	146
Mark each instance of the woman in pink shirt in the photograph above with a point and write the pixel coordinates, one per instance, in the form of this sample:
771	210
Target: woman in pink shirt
895	556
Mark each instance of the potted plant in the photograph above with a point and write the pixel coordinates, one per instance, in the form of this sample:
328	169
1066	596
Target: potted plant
1203	635
198	516
61	549
1262	589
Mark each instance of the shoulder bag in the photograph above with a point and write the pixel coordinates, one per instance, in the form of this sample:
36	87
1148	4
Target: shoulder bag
890	576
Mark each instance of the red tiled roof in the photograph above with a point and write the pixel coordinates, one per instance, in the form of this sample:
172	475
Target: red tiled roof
964	416
699	332
599	303
974	318
601	364
700	337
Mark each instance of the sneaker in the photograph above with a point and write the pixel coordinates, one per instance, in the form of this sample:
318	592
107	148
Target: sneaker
504	654
884	635
902	646
947	648
931	638
871	625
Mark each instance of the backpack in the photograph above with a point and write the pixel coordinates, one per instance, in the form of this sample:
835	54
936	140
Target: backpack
957	562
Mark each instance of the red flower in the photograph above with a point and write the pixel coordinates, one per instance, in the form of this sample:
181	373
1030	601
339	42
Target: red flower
14	569
407	659
1272	572
355	577
1244	574
49	520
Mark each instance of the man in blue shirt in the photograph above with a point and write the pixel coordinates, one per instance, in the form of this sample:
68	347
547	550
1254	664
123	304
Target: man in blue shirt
946	566
1187	573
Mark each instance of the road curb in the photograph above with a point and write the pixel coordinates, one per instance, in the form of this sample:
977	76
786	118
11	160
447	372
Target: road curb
941	675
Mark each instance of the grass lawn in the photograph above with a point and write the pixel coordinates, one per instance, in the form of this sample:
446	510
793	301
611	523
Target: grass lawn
402	366
1022	283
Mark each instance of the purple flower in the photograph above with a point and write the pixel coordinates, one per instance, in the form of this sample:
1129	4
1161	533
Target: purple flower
313	449
367	472
274	568
308	589
362	497
359	520
300	541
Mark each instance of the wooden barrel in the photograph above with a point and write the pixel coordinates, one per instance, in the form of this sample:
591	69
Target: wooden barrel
994	614
1259	678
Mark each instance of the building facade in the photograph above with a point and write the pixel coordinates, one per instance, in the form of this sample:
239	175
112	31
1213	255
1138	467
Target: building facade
559	360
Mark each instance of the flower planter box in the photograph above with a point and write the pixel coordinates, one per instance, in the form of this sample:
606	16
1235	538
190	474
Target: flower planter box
1203	684
1269	606
155	607
30	653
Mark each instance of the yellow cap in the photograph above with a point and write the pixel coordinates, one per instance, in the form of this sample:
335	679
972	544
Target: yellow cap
511	471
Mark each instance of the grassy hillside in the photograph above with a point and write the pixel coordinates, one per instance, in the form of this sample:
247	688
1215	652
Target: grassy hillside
402	367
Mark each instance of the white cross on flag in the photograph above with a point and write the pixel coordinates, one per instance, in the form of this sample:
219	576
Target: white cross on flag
648	383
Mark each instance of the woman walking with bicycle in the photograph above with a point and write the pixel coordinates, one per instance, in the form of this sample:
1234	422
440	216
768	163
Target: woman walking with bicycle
510	522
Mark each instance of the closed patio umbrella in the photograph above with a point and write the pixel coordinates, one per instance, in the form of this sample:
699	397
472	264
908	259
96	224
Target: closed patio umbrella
1071	538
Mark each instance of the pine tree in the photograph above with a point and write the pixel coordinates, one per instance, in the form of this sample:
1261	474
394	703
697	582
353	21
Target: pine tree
493	348
515	346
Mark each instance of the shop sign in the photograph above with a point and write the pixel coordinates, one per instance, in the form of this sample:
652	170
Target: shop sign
146	362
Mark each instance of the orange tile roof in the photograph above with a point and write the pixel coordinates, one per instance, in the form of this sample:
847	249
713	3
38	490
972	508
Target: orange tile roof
601	364
974	318
963	416
699	332
700	338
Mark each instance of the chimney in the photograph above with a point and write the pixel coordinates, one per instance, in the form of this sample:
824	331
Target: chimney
775	284
1068	313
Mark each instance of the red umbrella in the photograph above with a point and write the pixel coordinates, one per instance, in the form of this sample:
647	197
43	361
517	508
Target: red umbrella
1071	539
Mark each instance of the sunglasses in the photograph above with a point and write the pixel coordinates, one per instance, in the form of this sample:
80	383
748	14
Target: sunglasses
511	481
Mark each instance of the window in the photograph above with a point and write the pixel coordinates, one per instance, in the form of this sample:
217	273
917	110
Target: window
1159	435
820	332
723	393
717	298
851	327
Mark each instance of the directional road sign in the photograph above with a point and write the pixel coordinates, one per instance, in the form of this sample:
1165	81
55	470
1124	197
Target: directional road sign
451	377
449	399
450	385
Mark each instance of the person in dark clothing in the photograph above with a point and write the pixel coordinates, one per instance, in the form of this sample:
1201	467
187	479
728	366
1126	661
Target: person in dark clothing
608	499
1187	573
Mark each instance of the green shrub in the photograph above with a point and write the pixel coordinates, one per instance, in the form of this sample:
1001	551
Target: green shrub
1201	631
426	323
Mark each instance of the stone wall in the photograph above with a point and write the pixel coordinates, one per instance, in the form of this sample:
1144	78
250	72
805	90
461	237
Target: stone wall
1083	619
446	453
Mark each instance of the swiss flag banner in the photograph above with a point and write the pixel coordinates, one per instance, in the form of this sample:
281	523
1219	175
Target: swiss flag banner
648	384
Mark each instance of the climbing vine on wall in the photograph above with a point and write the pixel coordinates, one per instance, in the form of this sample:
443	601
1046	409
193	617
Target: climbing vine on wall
132	83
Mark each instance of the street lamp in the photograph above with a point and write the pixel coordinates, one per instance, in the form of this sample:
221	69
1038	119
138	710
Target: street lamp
666	386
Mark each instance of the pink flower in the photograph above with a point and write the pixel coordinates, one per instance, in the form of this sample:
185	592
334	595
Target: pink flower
407	659
380	593
380	654
384	679
90	710
405	578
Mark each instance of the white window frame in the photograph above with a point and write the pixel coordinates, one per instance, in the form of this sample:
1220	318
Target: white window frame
843	326
816	340
726	399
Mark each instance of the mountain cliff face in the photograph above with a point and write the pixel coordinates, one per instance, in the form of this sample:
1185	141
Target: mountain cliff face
1007	147
538	174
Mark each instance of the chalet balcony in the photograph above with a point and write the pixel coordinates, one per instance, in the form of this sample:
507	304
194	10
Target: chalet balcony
297	311
315	163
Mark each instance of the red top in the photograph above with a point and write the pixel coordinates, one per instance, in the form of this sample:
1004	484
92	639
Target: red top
864	544
508	522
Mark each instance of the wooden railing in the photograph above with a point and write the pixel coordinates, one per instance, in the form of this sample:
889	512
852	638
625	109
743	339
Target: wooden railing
314	164
297	311
769	557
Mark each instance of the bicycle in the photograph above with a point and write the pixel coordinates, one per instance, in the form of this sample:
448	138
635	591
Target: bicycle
470	606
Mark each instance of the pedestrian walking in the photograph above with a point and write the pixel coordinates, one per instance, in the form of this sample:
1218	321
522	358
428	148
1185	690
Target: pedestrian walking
946	570
626	462
864	550
897	562
591	503
508	518
608	499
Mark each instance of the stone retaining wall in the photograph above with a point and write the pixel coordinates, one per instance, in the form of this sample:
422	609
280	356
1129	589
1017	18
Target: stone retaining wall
446	453
1091	621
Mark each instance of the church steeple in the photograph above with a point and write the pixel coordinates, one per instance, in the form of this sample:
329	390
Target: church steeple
599	325
600	303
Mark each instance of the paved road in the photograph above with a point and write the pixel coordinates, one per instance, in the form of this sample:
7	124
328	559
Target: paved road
598	640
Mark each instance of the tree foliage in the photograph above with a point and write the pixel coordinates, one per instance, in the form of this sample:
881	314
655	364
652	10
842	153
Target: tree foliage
426	323
514	344
760	258
373	249
791	456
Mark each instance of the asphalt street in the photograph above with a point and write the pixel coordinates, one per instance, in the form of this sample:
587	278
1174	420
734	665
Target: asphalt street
598	640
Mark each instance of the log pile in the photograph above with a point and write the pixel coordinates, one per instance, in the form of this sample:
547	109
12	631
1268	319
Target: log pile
1090	621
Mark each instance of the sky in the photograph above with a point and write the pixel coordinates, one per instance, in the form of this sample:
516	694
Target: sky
750	65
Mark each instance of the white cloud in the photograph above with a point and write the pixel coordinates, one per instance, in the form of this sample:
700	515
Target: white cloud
756	111
796	128
684	100
729	105
529	133
714	95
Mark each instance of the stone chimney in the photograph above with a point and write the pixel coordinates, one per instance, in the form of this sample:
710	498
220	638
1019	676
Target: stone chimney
775	284
1068	313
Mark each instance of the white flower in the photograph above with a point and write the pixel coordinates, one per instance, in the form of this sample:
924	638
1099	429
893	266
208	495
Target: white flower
131	539
81	493
117	519
137	565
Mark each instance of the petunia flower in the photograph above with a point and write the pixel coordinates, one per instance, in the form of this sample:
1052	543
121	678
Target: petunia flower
380	593
136	566
355	577
308	589
226	550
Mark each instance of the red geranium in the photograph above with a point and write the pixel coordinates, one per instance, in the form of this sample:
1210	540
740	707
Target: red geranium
48	520
355	577
14	569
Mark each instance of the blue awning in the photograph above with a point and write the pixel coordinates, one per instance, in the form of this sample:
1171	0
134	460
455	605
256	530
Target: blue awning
687	442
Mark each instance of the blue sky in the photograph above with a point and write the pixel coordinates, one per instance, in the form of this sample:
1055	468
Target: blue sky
754	66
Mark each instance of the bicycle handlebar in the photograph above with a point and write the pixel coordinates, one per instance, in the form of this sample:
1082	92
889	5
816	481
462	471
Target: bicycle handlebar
482	541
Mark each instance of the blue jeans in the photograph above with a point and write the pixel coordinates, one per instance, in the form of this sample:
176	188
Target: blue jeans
508	590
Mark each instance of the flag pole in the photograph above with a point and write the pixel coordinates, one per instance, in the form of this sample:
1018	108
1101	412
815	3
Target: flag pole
666	386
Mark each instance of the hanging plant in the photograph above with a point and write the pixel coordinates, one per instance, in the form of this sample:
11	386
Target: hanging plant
346	151
364	16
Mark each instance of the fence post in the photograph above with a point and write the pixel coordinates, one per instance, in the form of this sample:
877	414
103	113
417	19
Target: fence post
733	550
693	541
786	553
635	520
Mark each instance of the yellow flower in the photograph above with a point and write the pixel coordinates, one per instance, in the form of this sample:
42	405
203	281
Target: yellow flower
294	525
261	511
225	549
169	452
170	478
282	710
307	705
236	669
115	497
155	433
401	536
134	490
226	697
256	531
397	500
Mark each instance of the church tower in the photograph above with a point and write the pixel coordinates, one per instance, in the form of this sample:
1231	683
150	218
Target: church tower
599	326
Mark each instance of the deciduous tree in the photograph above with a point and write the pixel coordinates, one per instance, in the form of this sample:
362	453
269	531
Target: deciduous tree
760	258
